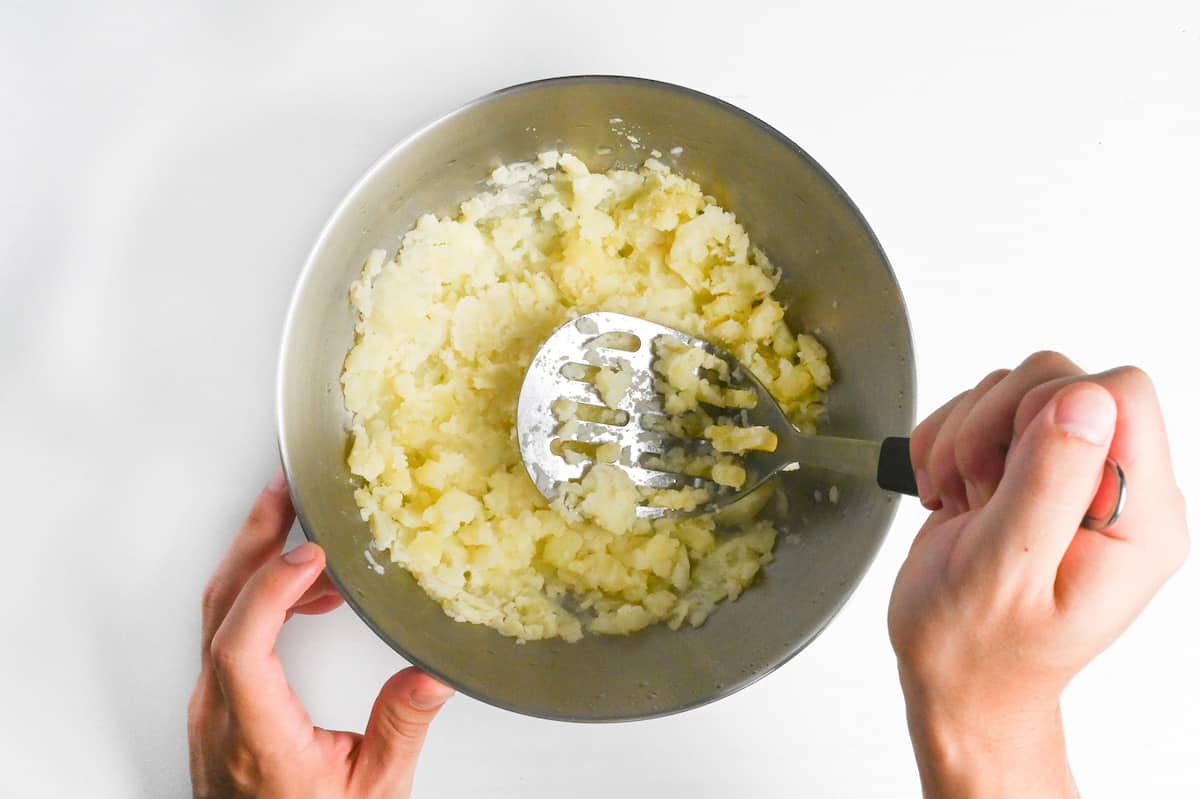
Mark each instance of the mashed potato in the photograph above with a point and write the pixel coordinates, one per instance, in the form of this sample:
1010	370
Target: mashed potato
445	332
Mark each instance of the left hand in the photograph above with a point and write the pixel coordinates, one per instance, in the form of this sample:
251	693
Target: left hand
248	733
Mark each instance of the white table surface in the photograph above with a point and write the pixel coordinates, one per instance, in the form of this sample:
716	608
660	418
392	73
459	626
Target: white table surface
1031	169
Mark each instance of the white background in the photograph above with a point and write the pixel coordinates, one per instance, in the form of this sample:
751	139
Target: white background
1032	170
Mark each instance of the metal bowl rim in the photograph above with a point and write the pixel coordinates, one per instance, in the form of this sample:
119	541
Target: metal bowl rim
310	265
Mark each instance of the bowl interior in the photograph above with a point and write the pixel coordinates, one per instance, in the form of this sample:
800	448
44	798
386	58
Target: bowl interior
836	280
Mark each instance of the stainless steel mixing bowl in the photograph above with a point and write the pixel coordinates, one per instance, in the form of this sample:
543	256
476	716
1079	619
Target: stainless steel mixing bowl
836	279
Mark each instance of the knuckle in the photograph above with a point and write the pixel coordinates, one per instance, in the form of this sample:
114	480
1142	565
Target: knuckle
992	378
925	434
941	453
908	640
1029	406
1135	380
399	728
244	770
223	652
210	599
265	515
1048	361
1043	490
977	452
920	443
195	710
258	517
976	457
941	466
196	700
944	475
1134	374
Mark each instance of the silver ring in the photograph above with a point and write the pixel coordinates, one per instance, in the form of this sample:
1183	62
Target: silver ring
1113	478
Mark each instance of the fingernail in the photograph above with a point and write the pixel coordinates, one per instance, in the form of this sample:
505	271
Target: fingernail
924	490
278	482
1088	413
301	554
429	697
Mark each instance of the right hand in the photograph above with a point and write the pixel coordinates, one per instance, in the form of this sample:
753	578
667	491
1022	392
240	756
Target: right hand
1003	597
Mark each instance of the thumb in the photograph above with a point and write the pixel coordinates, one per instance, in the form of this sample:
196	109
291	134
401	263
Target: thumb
1052	473
406	705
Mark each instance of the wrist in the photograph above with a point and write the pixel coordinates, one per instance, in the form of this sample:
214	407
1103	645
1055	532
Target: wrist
971	747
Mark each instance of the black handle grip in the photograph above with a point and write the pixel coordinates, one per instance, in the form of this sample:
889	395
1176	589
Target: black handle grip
895	467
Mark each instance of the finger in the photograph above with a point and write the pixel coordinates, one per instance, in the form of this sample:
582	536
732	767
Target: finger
260	538
1149	541
1139	443
322	587
321	597
1053	471
986	433
243	648
919	446
396	730
944	477
1140	431
318	606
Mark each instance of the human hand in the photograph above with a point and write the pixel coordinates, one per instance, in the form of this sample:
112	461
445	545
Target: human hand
1003	597
248	733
